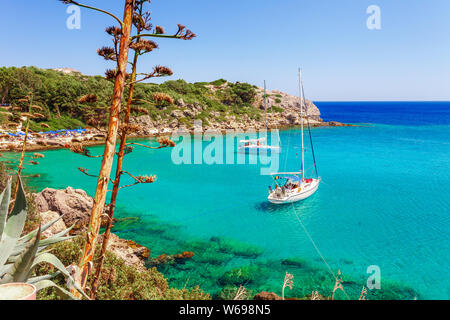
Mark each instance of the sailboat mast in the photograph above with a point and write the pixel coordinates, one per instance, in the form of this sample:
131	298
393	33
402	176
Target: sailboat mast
265	107
301	120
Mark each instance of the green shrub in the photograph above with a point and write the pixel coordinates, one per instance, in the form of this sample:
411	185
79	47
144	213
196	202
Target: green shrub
276	109
119	281
218	82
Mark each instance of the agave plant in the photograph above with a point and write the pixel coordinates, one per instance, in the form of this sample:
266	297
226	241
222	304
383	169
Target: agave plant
20	255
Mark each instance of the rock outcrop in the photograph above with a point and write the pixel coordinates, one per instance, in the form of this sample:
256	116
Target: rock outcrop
283	111
263	295
171	259
57	227
132	253
74	204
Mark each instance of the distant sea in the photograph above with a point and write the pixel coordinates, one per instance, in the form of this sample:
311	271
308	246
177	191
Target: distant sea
384	201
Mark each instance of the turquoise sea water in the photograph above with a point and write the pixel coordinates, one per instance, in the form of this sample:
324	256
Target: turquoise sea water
384	200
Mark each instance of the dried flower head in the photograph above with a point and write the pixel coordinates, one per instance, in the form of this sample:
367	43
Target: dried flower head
114	31
80	149
162	97
187	35
180	29
144	46
142	22
146	179
165	142
38	155
110	74
160	71
107	53
159	30
45	125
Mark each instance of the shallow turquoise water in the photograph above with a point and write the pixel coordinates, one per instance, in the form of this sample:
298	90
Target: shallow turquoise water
384	201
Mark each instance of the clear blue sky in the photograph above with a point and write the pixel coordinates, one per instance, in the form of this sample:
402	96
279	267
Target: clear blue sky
252	41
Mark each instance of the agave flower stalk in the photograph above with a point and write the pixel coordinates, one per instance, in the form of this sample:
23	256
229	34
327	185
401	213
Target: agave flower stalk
85	264
140	47
28	99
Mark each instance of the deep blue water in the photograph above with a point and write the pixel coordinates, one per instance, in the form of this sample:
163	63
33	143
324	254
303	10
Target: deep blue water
394	113
384	200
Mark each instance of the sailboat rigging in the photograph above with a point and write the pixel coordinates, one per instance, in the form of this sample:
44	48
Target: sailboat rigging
254	145
293	186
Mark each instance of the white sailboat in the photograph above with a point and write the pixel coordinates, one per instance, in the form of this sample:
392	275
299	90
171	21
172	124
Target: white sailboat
255	145
293	186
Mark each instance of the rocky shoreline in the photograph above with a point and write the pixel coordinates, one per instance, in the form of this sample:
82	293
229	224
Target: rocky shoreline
74	206
283	112
100	138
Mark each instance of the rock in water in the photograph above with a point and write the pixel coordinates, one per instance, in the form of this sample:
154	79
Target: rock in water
263	295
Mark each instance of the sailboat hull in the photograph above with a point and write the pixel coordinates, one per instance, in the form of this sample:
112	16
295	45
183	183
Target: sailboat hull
306	191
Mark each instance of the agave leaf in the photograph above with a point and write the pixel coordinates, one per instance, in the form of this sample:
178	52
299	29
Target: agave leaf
44	277
19	272
53	240
4	269
4	205
63	232
51	259
42	244
60	291
30	235
14	225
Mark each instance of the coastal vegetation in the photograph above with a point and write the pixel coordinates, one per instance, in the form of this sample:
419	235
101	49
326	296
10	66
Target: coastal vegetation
59	95
67	101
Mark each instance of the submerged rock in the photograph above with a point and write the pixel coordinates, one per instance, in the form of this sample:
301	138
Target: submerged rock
263	295
171	259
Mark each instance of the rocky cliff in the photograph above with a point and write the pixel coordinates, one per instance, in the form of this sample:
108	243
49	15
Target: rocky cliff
283	110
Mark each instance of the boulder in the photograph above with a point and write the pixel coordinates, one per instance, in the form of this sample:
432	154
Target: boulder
180	103
145	123
57	227
177	114
132	253
263	295
172	259
75	204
